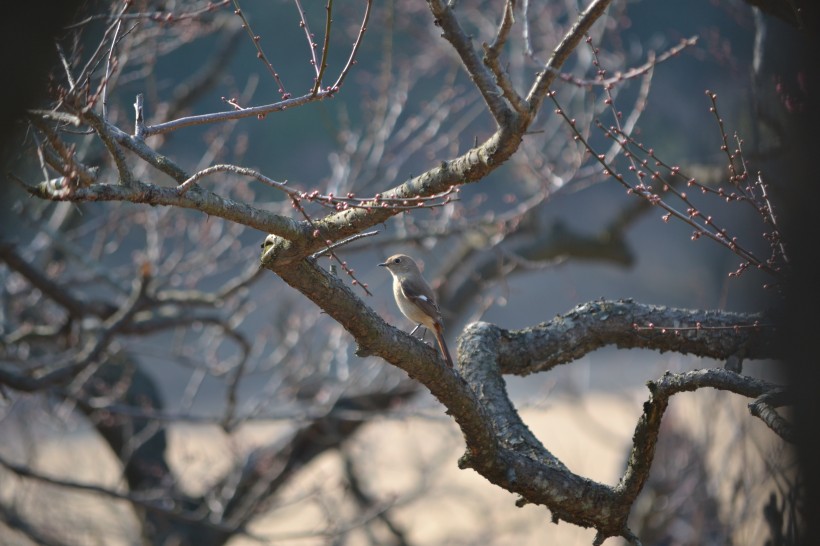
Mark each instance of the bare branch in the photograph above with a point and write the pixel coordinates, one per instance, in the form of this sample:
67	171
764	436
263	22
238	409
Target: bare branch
197	199
255	38
351	60
491	59
253	111
461	42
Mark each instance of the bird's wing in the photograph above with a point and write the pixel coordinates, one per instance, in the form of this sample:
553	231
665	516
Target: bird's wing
422	298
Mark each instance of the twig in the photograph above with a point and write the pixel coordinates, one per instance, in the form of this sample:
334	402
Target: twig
644	191
110	60
185	186
343	242
165	17
652	61
139	118
259	53
303	23
329	244
253	111
351	60
325	46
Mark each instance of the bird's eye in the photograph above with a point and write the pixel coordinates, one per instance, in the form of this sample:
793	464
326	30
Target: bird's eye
397	261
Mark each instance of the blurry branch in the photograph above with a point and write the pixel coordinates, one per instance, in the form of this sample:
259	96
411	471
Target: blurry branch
198	297
303	22
790	11
145	311
366	502
61	295
188	92
14	520
351	60
268	468
91	353
491	55
519	241
151	501
61	157
336	531
158	16
139	443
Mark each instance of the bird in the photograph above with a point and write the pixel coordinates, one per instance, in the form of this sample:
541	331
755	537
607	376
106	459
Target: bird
415	298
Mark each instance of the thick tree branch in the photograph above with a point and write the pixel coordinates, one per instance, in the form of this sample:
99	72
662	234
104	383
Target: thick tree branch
630	325
499	445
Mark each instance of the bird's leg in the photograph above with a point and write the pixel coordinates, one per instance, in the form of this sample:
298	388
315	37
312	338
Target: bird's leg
423	334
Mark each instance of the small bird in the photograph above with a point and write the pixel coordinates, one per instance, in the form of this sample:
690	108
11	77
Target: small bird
415	298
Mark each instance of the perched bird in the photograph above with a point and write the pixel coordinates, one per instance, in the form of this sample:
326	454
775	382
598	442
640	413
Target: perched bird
415	298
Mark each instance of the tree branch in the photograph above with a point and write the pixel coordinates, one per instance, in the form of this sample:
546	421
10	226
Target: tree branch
469	167
499	445
195	198
630	325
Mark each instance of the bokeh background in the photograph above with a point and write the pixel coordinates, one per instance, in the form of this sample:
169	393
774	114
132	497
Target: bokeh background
406	106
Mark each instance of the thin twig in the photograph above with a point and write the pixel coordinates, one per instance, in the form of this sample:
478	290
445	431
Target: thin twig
343	242
260	54
164	17
309	35
253	111
351	60
325	47
108	66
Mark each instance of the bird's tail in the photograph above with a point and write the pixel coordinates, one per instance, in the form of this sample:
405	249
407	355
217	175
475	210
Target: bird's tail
439	333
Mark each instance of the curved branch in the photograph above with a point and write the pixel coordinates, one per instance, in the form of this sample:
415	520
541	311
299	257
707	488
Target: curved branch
499	445
630	325
646	431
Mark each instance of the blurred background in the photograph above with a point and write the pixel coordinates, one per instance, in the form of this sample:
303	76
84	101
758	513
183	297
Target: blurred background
234	398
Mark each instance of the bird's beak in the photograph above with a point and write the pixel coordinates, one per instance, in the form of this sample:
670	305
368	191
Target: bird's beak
383	265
